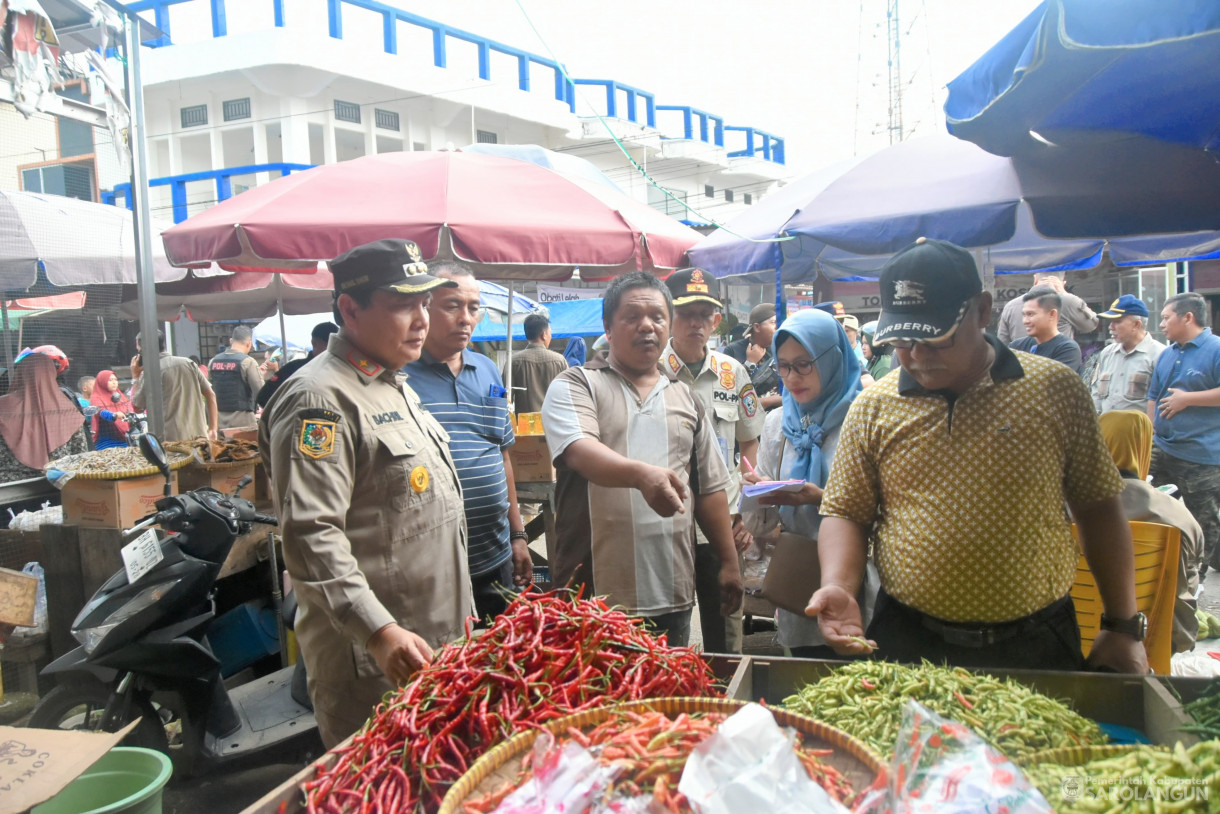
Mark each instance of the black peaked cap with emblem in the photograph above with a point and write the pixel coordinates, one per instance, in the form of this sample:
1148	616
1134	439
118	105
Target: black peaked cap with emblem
693	285
393	265
924	288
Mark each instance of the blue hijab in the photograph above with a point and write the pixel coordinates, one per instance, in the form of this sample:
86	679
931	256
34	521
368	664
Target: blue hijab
806	425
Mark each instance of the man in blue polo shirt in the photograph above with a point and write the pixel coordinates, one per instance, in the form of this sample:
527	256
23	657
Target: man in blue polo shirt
1184	405
463	391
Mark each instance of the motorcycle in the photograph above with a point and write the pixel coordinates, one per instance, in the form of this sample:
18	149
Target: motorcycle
144	650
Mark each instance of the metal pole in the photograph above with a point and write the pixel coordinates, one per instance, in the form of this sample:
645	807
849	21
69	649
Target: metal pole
508	368
145	281
279	307
8	336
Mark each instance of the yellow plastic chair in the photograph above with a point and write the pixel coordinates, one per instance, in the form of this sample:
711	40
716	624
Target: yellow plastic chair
1157	548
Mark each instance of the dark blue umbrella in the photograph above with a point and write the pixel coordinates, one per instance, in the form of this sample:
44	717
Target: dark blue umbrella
1119	99
846	220
1072	71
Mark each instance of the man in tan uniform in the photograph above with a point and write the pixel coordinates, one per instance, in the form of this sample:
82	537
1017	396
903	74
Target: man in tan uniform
724	387
368	497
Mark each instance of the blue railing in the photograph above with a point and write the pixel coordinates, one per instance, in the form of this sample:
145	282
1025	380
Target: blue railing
222	178
688	116
771	147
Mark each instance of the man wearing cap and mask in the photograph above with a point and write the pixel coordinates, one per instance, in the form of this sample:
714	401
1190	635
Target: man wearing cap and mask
1124	368
368	496
754	352
723	386
974	572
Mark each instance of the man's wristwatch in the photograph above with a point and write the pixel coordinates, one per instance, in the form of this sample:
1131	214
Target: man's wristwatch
1136	627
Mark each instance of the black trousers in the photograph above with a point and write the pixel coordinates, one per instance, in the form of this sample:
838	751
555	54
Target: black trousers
1049	642
493	591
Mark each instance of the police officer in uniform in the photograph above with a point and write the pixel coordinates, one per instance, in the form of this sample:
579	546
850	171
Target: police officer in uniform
723	386
368	497
236	380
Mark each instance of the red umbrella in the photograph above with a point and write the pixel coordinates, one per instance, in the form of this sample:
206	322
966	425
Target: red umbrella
507	218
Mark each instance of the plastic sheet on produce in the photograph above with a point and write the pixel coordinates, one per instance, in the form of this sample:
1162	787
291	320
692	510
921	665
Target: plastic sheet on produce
943	764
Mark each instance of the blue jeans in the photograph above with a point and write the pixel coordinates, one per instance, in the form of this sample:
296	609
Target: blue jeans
676	626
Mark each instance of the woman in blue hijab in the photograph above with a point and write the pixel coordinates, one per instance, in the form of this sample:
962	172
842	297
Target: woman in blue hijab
821	377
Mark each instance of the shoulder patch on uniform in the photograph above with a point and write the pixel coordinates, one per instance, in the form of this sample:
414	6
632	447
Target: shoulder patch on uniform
320	412
317	438
674	363
749	401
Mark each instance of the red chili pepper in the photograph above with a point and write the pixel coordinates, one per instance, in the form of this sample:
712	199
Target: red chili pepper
548	655
962	698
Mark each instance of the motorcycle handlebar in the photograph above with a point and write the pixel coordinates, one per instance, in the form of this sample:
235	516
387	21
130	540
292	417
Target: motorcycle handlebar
269	519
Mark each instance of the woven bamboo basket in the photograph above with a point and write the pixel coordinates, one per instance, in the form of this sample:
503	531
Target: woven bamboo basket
70	463
1080	755
220	466
857	762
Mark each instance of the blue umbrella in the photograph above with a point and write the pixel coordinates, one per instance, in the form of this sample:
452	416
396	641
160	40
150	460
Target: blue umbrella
1119	99
297	327
1074	70
847	219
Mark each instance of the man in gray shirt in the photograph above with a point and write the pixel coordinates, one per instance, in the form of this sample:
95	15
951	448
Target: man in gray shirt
1075	316
1124	368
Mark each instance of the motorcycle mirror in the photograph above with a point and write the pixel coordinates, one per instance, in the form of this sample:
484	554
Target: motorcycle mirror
154	453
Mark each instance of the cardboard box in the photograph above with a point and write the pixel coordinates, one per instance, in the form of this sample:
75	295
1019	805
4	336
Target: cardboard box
113	504
531	456
223	480
18	592
531	459
39	763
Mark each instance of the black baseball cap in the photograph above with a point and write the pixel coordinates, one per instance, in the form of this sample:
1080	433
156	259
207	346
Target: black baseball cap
924	289
693	285
394	265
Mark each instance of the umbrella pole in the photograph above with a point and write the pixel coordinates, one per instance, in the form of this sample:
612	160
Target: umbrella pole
508	368
279	306
8	336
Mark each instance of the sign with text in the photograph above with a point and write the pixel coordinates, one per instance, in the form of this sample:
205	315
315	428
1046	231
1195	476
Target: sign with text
559	293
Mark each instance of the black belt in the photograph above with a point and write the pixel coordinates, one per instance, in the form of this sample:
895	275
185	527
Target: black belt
971	634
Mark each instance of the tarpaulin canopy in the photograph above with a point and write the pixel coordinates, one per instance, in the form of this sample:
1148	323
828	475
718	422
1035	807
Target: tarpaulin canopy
570	318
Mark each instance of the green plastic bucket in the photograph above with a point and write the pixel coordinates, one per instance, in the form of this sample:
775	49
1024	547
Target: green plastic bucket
126	780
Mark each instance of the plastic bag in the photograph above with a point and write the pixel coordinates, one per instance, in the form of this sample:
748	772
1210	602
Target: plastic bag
48	515
40	605
942	766
750	765
568	781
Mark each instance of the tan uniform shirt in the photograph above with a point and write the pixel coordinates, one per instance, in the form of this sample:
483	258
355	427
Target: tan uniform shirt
533	371
728	396
1121	379
624	549
182	389
371	515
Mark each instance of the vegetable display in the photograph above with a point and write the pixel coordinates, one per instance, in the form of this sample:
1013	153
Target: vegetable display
1145	778
1206	712
548	655
650	750
865	699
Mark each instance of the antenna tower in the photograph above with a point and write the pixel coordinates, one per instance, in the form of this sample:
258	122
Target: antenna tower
894	41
